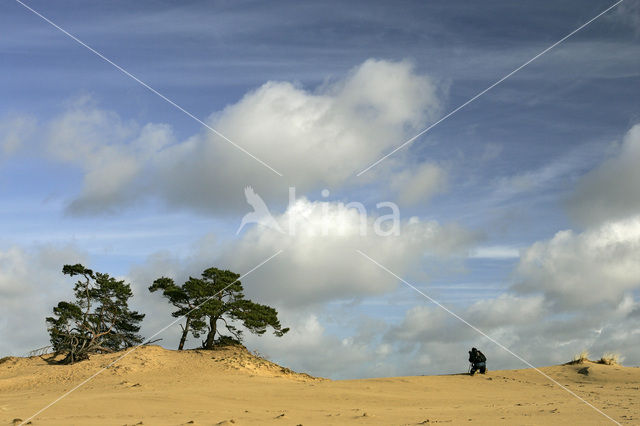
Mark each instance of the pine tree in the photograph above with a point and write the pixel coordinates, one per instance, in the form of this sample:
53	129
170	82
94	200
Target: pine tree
214	301
183	298
98	321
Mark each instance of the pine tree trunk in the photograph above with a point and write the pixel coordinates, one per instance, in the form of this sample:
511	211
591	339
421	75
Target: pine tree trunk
185	332
212	334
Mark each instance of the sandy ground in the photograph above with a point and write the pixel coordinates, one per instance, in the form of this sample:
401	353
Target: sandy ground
154	386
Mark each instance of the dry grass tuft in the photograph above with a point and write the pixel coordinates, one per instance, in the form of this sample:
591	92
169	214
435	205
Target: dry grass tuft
580	358
610	359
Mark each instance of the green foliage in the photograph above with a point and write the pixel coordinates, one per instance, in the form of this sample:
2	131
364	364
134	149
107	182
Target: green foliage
98	321
216	297
227	341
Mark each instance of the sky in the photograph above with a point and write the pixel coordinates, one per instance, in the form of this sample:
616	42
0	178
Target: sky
520	213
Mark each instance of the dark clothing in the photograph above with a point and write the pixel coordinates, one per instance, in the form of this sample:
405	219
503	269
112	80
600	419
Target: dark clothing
480	366
478	361
476	356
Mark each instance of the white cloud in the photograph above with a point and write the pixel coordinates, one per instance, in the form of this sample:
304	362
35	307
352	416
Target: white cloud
111	153
495	252
14	131
430	340
418	184
309	347
318	139
31	283
320	261
580	270
574	291
428	323
611	191
506	310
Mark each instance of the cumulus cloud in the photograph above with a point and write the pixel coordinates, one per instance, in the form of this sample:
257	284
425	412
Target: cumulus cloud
418	184
430	340
310	347
319	262
14	130
576	270
317	139
579	270
506	310
428	324
112	153
31	283
611	191
574	291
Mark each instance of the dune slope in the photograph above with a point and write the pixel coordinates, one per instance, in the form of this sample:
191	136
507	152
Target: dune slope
154	386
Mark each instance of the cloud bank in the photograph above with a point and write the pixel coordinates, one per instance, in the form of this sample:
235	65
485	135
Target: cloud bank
611	191
317	138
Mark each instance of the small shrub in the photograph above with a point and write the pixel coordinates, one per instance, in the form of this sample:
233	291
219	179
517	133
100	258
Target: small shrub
610	359
584	370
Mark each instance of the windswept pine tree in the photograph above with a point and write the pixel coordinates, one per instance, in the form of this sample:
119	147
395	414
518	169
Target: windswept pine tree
214	305
185	299
98	321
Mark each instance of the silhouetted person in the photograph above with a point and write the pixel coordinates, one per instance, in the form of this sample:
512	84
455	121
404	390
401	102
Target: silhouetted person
478	361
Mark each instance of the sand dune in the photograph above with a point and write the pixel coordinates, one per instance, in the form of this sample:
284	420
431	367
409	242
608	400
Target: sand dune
155	386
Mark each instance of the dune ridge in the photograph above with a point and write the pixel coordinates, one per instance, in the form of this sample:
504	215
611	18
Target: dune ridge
156	386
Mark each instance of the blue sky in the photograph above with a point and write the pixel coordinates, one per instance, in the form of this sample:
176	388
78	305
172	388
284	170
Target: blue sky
95	167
